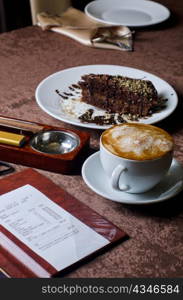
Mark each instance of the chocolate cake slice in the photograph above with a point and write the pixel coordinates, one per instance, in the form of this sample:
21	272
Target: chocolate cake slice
118	94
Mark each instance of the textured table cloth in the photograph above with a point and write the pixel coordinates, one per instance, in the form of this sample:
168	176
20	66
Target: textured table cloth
29	55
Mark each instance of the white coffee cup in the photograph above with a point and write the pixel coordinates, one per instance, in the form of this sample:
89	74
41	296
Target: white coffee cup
134	175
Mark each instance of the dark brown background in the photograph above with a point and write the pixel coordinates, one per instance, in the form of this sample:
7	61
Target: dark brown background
16	13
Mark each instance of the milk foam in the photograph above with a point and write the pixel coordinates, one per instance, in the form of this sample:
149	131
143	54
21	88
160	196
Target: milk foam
137	141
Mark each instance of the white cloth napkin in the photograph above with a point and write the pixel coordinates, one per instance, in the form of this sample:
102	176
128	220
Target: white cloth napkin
76	25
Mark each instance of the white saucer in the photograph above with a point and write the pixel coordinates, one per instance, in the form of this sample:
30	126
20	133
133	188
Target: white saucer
96	179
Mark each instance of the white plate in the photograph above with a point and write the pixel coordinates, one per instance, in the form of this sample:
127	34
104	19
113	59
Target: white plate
97	180
134	13
49	101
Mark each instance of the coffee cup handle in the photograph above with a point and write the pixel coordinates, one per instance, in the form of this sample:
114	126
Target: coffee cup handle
115	178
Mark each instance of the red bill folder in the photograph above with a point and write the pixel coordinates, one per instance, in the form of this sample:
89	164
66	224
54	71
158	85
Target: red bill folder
17	259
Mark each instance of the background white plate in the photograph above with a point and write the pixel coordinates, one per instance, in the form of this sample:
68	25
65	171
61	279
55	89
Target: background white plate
134	13
49	101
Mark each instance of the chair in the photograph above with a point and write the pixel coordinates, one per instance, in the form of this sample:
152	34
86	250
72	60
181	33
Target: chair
51	6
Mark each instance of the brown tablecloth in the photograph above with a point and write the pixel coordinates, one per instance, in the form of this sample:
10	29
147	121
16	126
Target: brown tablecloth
27	56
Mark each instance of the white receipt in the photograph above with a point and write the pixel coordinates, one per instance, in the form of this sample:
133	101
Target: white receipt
46	228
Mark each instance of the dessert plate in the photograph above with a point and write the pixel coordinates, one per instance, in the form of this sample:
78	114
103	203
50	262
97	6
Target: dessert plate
50	102
170	186
134	13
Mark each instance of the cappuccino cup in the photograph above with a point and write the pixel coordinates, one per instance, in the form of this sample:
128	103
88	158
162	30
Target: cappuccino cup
135	156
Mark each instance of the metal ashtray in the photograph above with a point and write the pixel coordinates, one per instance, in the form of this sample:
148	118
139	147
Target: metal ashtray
55	142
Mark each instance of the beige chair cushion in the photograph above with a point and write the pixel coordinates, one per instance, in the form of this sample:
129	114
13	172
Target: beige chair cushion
51	6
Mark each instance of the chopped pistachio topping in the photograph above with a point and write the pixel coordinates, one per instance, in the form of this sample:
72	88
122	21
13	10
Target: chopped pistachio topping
138	86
